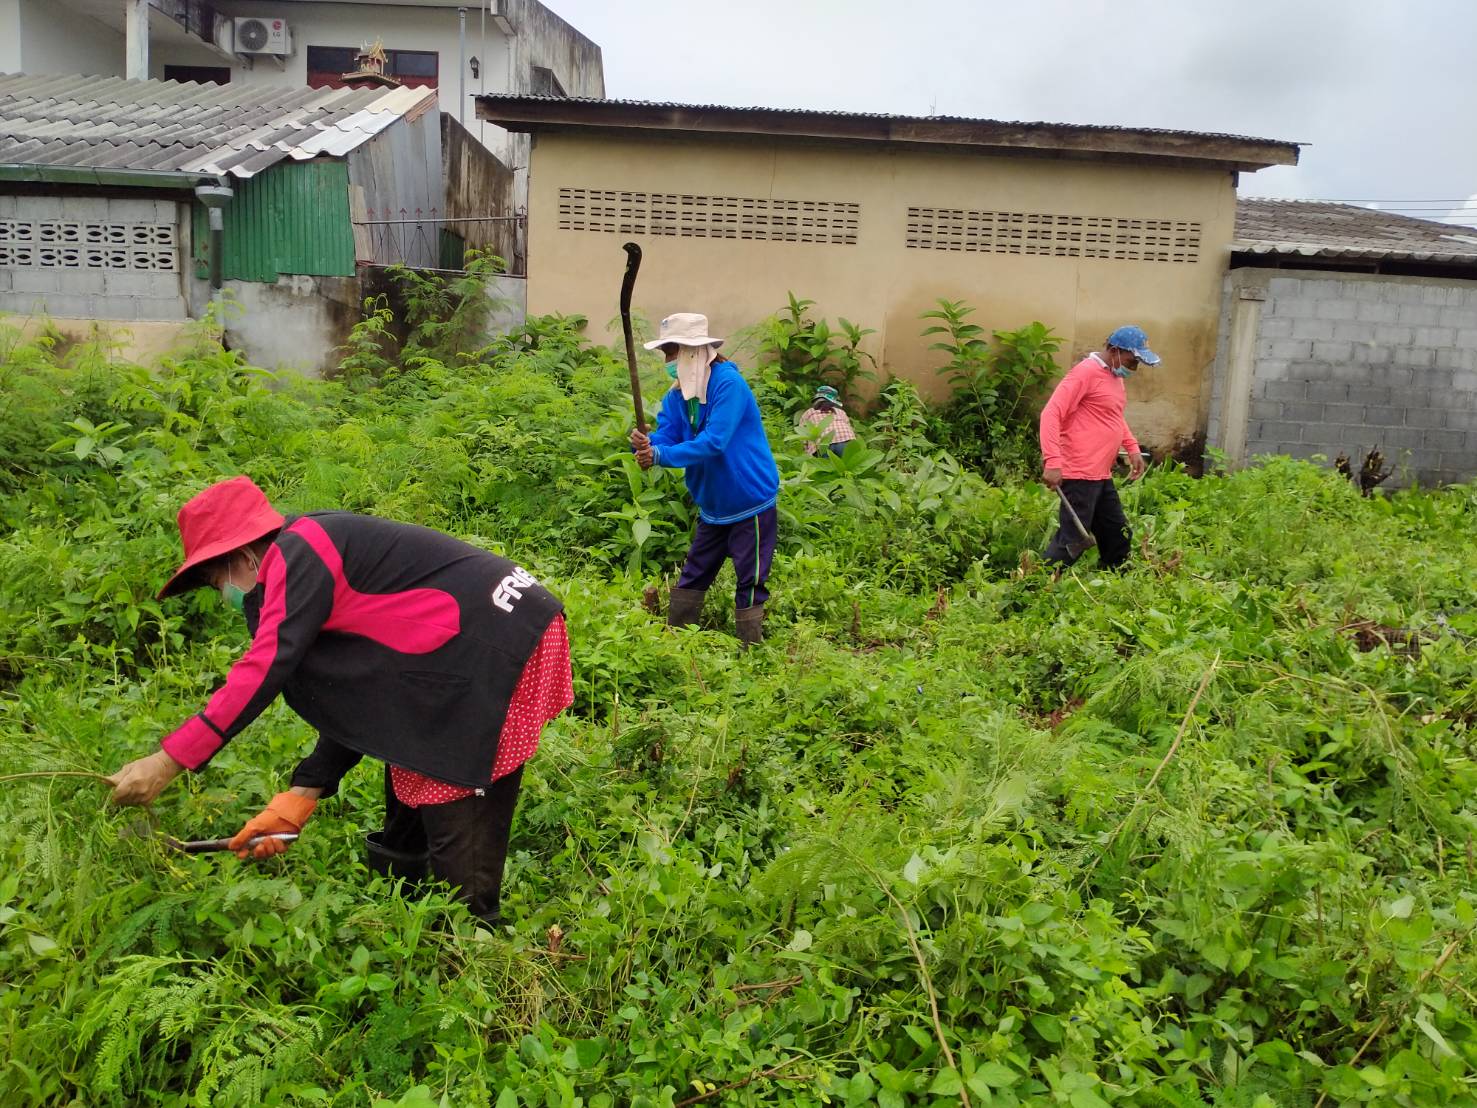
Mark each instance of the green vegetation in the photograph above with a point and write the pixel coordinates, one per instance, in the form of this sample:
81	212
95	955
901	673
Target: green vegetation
990	422
1199	833
802	353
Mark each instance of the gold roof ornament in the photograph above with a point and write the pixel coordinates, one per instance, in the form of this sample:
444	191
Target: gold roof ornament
372	64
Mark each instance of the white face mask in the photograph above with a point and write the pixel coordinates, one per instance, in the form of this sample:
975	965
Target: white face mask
233	594
693	369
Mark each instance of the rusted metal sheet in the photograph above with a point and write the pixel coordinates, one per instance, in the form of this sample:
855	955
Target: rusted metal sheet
400	175
480	197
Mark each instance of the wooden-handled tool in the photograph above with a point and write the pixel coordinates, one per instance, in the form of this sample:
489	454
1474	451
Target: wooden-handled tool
145	827
628	285
1085	541
208	846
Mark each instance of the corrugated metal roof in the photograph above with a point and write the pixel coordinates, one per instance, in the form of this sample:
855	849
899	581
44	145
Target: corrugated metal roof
527	112
1320	229
513	97
212	130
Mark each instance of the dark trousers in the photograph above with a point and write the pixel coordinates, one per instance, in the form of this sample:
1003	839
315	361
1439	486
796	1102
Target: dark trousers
1101	512
465	841
749	542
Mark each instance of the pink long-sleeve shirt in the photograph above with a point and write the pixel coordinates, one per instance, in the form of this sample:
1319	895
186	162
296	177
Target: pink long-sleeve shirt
1082	425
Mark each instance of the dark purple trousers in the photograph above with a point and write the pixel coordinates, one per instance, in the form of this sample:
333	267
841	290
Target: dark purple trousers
749	542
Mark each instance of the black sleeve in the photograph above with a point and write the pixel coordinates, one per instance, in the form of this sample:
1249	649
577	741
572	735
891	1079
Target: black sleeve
325	767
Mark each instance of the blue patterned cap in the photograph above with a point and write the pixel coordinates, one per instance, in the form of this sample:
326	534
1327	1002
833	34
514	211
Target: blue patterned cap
826	392
1133	339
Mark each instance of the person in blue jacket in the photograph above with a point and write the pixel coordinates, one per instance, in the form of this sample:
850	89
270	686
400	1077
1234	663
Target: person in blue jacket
709	426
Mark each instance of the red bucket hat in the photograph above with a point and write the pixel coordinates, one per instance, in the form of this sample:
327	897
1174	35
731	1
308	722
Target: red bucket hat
225	517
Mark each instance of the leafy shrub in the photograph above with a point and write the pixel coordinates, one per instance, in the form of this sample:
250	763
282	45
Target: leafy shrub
433	317
801	353
990	422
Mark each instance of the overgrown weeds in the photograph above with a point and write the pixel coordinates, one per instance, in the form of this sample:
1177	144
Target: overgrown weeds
1167	837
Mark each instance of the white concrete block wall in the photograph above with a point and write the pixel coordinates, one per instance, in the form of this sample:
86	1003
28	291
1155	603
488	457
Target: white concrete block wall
36	284
1346	362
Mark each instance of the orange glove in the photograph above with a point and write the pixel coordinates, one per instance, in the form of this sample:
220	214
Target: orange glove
286	813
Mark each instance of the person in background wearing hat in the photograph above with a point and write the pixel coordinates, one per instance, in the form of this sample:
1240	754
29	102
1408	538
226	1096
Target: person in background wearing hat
395	641
709	426
1082	428
826	409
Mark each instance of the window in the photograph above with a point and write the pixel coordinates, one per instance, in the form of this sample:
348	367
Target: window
328	64
201	74
335	60
412	63
544	83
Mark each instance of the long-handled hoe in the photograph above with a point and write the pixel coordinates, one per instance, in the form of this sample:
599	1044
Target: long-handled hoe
1084	540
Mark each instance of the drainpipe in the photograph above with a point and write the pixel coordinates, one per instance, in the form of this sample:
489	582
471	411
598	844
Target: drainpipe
215	198
461	41
136	39
482	75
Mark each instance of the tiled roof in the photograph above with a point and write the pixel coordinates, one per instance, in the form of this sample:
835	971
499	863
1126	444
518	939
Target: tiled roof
1319	229
183	127
526	112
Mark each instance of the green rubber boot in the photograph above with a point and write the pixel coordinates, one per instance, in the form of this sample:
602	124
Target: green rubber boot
749	622
685	607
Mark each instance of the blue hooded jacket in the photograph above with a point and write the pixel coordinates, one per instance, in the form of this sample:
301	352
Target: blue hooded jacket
730	471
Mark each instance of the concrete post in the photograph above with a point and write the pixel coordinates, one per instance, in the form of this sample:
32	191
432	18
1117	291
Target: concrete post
1246	314
136	36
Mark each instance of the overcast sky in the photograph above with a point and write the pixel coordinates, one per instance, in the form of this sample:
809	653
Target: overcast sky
1384	91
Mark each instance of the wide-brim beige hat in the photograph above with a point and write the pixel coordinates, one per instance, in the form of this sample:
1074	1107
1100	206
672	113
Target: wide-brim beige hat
684	329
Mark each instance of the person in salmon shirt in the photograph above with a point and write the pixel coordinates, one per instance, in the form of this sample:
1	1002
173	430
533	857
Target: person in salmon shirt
394	641
1082	429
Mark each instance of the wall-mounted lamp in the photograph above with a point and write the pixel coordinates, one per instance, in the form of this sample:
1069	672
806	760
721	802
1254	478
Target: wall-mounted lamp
476	66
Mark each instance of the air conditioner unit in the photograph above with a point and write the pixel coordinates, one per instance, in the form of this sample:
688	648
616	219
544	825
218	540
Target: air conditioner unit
255	35
498	9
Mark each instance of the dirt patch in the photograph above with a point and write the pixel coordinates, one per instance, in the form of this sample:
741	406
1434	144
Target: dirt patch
1189	451
1369	635
1050	721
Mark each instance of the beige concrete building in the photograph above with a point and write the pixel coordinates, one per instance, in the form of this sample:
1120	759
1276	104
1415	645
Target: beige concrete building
877	217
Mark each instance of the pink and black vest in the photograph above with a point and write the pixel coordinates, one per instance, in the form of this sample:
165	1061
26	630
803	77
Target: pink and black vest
393	640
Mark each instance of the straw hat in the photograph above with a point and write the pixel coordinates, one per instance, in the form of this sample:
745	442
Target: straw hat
684	329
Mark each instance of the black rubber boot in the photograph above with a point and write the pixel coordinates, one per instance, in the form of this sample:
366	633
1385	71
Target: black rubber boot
685	607
749	623
396	863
